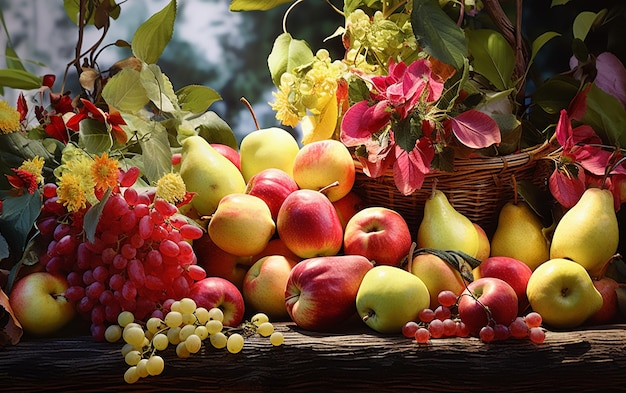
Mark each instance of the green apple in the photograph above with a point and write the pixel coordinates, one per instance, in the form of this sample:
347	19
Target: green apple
389	297
242	225
267	148
562	291
39	303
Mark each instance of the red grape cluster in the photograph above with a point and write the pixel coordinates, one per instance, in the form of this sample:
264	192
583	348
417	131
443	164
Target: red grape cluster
444	321
141	255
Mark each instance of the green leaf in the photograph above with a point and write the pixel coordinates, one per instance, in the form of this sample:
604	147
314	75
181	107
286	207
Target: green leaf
95	10
492	56
555	94
158	161
18	217
153	35
125	92
559	2
94	136
582	24
540	41
196	98
437	33
158	88
19	79
214	129
256	5
92	217
4	248
607	116
287	54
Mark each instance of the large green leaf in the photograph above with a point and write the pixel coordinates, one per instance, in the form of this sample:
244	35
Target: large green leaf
214	129
153	35
97	11
158	160
18	217
492	56
540	41
582	24
437	33
256	5
559	2
197	98
125	92
94	136
19	79
287	54
158	88
555	94
92	217
607	116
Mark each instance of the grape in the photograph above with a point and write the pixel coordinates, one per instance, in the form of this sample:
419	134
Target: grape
187	306
165	208
218	315
173	319
436	328
131	375
142	368
154	324
214	326
49	190
422	335
409	329
173	335
182	351
218	340
155	365
186	331
461	329
447	298
277	339
442	313
265	329
113	333
486	334
134	336
518	328
426	315
449	327
193	343
202	315
537	335
132	358
234	343
127	348
160	341
533	319
190	232
201	331
501	332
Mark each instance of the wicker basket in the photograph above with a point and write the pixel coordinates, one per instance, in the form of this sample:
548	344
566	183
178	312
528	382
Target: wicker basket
478	187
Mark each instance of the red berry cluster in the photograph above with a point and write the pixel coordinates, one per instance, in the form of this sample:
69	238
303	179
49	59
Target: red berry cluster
444	321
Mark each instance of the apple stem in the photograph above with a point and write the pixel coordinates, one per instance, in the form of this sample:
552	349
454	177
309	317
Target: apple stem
247	103
331	185
368	316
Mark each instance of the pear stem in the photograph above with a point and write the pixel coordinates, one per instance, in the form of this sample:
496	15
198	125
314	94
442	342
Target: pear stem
247	104
434	188
515	199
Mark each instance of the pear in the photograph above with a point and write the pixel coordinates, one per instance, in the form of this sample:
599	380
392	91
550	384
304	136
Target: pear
267	148
520	235
444	228
209	174
588	233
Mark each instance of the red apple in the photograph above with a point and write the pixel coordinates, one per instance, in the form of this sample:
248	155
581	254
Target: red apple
515	272
487	301
379	234
321	163
610	308
347	207
219	263
39	303
321	292
218	292
264	286
309	225
228	152
271	185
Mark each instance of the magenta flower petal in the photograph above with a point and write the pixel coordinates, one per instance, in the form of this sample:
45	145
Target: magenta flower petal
361	121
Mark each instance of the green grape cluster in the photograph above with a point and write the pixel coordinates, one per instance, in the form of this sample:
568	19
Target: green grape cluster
184	327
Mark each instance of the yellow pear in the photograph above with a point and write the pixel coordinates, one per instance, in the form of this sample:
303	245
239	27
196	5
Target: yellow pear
588	233
267	148
520	235
209	174
444	228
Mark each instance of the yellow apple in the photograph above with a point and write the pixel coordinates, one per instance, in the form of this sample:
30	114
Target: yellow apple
39	303
437	275
267	148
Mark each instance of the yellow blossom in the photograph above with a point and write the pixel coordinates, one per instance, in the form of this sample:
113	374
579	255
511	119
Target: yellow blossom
286	111
80	165
70	193
34	166
105	172
9	118
171	188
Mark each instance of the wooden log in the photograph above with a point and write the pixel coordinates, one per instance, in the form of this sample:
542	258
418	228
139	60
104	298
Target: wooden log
581	360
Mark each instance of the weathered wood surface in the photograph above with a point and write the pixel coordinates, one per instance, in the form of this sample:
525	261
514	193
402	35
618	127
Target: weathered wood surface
581	360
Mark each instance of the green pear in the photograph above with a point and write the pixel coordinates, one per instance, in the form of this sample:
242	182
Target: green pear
520	235
588	233
209	174
267	148
444	228
389	297
563	293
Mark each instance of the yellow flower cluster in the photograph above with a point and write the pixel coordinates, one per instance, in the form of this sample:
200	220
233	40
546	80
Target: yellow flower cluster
308	89
171	188
34	166
9	118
